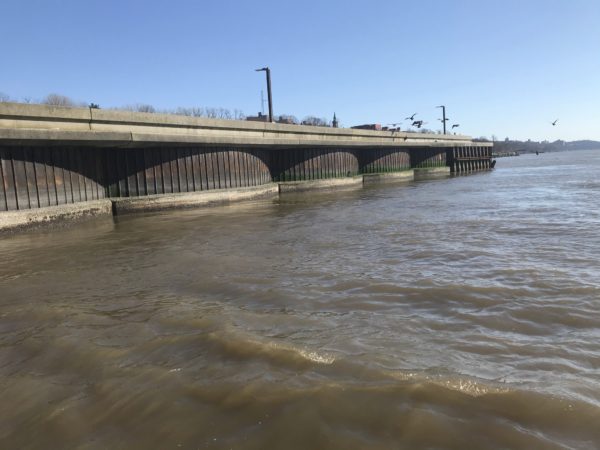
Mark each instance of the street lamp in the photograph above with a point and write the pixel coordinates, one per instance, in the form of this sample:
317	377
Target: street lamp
444	120
266	69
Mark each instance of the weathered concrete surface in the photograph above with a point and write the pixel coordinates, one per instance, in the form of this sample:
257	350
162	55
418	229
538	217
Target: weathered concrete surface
192	199
329	183
21	123
23	219
405	175
30	218
431	172
55	144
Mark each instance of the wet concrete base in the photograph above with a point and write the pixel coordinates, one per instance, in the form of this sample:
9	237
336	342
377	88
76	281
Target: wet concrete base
392	177
329	183
31	218
192	199
431	172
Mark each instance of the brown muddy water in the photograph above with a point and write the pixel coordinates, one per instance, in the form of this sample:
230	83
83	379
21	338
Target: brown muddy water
458	313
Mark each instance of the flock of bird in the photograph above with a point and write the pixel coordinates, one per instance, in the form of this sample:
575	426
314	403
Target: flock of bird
420	123
417	123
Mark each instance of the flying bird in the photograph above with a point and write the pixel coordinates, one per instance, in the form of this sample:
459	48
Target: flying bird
554	123
394	127
417	123
411	117
456	125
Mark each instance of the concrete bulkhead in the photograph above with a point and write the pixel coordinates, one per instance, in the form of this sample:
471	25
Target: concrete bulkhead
52	156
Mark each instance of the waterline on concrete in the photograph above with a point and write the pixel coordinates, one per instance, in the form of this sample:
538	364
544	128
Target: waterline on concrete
31	218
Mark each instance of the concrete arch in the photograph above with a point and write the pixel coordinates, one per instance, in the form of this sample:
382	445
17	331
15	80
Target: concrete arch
36	177
313	163
380	160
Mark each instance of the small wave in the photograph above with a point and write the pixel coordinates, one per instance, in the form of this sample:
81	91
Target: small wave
465	385
317	358
420	411
239	345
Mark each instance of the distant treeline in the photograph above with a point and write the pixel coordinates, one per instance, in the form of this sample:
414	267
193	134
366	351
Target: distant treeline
530	146
199	111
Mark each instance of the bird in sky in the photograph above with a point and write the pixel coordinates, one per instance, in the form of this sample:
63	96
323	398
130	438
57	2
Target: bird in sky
411	117
554	123
417	123
394	127
456	125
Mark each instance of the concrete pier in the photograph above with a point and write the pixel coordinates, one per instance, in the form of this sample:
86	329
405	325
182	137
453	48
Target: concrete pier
52	156
463	159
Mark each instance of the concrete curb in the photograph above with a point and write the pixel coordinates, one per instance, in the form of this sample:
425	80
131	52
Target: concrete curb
311	185
192	199
30	218
372	178
23	219
431	172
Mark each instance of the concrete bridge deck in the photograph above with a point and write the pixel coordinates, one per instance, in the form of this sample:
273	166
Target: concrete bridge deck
24	124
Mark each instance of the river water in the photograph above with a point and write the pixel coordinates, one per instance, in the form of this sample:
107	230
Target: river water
456	313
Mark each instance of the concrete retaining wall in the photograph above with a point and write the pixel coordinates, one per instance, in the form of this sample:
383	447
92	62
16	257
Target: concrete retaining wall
33	218
21	220
193	199
51	156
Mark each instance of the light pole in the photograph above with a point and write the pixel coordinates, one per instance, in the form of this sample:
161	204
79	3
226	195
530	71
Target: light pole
444	120
266	69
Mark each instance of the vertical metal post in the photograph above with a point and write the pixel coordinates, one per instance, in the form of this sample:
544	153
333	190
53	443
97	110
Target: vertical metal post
444	118
270	96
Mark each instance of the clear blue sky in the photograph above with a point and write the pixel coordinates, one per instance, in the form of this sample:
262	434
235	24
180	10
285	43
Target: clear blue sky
504	68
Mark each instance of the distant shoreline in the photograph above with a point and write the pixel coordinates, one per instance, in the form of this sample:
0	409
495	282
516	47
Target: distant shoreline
502	147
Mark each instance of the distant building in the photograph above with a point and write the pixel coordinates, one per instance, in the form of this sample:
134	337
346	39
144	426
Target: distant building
287	120
259	118
371	126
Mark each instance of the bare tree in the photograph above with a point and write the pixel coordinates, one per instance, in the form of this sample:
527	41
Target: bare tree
59	100
138	107
224	113
4	97
190	112
144	107
315	121
180	111
198	112
211	113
